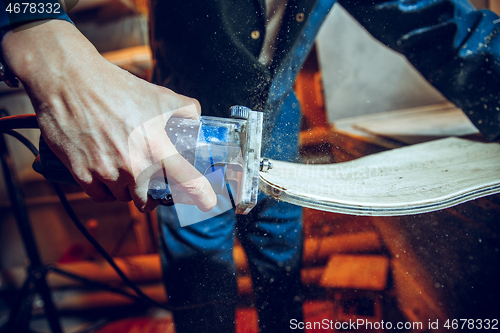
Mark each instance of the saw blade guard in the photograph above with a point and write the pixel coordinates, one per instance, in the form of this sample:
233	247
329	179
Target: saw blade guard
226	151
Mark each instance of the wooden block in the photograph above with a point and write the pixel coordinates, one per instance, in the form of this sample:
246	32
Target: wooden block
244	284
311	276
317	312
367	272
247	320
315	136
319	249
418	124
240	259
143	325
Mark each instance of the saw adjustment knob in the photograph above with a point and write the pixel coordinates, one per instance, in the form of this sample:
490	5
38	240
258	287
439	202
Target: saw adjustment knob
265	165
239	112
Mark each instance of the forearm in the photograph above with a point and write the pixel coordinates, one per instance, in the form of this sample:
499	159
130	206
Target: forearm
456	48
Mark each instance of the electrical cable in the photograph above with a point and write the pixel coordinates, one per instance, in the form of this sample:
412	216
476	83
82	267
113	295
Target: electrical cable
27	122
100	249
72	215
79	225
18	122
92	283
23	140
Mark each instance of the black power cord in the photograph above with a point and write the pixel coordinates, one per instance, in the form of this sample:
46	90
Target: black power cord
7	126
72	215
18	122
23	140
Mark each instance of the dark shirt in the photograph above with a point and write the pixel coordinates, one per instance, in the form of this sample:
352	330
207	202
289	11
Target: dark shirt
205	49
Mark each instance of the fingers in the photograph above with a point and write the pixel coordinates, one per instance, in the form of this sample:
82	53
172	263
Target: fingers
109	191
183	177
183	180
104	180
95	189
139	194
119	189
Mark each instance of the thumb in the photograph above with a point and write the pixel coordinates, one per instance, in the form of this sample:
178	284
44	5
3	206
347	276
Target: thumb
183	177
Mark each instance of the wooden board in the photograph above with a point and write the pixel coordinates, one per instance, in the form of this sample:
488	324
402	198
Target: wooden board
419	124
416	179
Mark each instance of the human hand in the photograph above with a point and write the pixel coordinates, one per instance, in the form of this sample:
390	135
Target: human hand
106	125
